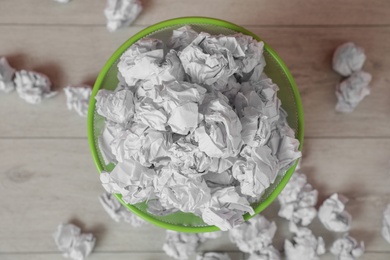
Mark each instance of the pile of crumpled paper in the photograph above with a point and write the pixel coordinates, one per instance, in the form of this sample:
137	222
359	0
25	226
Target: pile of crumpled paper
195	125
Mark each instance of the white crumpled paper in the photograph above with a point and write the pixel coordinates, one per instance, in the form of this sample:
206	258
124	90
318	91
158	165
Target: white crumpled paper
180	245
118	212
220	122
77	98
130	179
304	244
254	235
6	76
32	86
116	106
347	248
182	37
174	114
177	190
121	13
143	66
110	132
207	62
256	170
298	200
348	58
226	208
213	256
72	243
386	224
352	90
333	215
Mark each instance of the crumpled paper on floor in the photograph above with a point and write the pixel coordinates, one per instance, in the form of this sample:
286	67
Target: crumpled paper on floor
298	200
72	243
6	75
121	13
213	256
254	235
386	224
33	86
180	245
351	91
333	215
118	212
347	248
304	244
130	179
77	98
348	58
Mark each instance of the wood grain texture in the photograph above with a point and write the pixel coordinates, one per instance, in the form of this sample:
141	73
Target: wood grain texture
247	12
306	51
55	181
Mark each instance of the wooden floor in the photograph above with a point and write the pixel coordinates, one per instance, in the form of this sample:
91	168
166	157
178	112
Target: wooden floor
46	171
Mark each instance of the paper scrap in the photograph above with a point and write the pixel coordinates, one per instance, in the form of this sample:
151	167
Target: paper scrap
118	212
333	215
184	193
213	256
182	37
254	235
220	134
32	86
143	144
72	243
130	179
386	224
256	170
115	106
351	91
180	245
304	244
77	98
226	208
347	248
156	208
6	76
348	58
110	132
298	200
143	66
121	13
